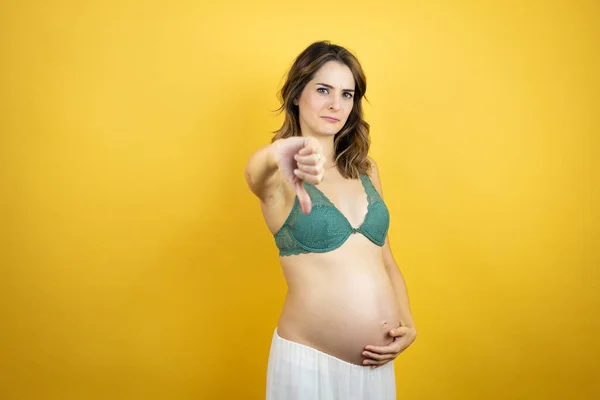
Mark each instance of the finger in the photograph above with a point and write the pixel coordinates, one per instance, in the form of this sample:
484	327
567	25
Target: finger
394	347
307	150
310	146
314	179
379	357
303	197
310	169
310	159
401	331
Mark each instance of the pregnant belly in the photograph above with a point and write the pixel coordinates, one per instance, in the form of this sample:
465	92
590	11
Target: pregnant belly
341	314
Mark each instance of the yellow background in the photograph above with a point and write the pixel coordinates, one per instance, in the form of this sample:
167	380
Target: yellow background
135	263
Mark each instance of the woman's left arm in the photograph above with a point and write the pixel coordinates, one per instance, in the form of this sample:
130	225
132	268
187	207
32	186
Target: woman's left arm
406	333
399	285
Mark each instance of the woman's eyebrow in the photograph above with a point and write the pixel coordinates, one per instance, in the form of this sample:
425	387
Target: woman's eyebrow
331	87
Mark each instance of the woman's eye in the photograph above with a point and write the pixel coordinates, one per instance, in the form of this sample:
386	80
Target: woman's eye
322	90
348	95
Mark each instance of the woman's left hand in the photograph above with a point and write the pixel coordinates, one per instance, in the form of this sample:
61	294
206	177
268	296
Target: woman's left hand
379	355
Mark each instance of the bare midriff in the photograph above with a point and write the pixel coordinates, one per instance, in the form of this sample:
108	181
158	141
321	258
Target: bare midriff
340	301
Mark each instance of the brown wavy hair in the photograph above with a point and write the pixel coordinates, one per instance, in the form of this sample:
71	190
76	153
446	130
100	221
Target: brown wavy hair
351	143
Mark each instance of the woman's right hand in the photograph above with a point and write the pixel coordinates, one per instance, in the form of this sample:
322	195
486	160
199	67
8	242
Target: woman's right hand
300	159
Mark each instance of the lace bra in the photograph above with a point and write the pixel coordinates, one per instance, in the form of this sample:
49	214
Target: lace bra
325	228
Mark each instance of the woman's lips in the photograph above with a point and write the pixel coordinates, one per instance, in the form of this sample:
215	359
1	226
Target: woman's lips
331	119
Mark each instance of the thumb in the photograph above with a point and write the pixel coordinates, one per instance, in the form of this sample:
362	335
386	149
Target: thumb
303	197
400	330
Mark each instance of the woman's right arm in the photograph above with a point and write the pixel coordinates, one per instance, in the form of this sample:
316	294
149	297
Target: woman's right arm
263	174
285	164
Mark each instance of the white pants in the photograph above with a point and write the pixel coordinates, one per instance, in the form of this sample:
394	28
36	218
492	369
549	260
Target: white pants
299	372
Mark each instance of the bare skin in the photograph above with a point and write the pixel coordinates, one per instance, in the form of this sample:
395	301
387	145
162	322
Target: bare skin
342	301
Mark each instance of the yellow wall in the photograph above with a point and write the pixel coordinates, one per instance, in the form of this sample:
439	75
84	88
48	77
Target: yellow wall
135	263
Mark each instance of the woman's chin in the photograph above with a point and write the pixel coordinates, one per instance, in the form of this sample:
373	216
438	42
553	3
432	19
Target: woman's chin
328	132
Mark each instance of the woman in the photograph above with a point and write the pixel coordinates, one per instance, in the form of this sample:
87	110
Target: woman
346	316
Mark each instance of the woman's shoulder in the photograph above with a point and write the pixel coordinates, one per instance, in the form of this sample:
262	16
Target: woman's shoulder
374	174
373	169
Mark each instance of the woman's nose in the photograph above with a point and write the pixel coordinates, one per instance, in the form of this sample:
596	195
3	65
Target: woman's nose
335	104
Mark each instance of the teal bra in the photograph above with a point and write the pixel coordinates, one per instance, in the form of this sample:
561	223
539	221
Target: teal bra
325	228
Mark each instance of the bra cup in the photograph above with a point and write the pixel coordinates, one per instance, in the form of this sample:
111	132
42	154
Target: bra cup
377	223
325	228
322	228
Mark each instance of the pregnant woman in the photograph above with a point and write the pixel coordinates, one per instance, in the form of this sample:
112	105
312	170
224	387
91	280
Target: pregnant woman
346	316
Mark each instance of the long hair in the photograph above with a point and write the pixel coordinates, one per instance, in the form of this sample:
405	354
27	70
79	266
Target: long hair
351	143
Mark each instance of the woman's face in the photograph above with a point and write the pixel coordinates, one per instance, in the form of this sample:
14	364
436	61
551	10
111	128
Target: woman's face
326	101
